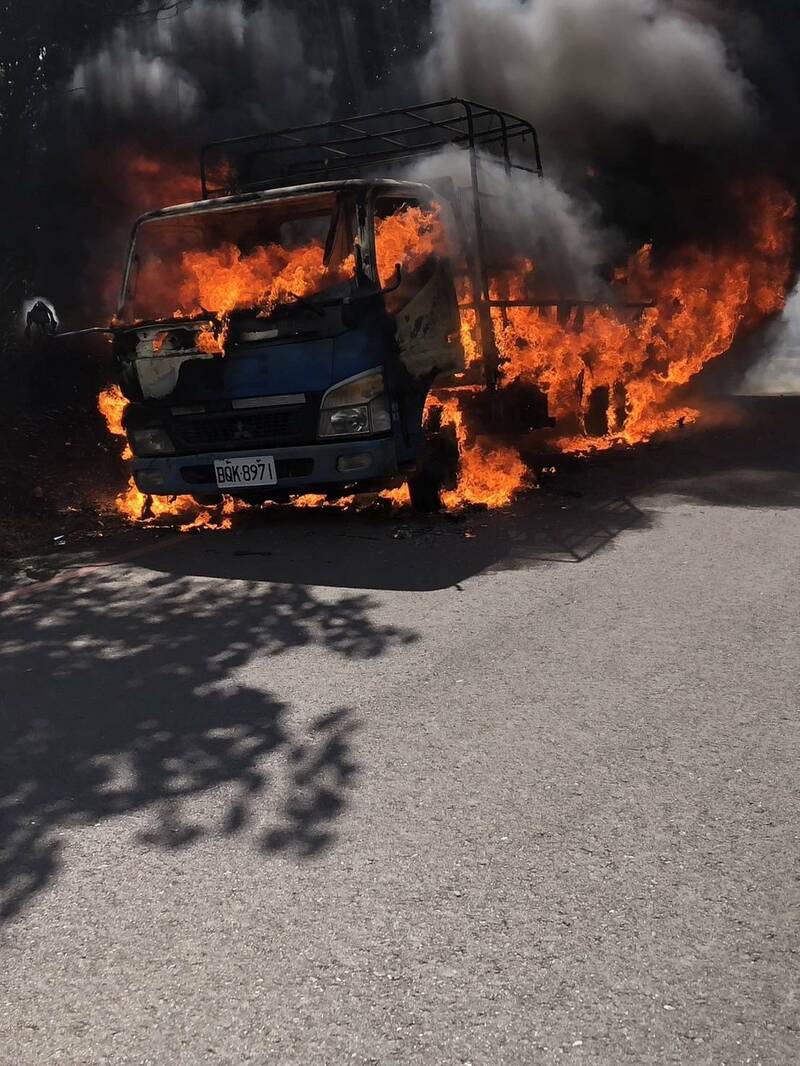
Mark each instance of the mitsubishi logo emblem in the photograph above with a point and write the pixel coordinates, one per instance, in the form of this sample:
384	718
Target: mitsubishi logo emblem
241	432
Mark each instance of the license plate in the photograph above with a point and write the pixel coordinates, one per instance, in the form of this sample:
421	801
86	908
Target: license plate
245	473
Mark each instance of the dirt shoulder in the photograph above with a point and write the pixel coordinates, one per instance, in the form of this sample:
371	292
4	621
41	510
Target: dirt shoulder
59	468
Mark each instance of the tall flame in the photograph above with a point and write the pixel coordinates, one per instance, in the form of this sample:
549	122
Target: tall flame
701	300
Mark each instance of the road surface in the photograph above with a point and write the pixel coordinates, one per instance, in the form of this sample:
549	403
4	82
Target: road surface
358	789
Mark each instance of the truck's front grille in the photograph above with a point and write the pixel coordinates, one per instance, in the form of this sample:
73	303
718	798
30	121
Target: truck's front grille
237	431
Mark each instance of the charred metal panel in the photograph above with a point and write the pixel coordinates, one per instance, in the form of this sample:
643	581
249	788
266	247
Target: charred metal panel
428	328
158	377
159	354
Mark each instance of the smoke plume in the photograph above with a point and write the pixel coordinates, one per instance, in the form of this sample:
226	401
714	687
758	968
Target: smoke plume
215	66
582	67
778	371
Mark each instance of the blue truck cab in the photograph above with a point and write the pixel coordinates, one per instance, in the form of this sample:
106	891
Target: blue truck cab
269	348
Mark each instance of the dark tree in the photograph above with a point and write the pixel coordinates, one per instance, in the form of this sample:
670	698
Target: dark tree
39	44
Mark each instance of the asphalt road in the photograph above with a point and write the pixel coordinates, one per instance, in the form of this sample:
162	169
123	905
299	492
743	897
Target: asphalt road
336	788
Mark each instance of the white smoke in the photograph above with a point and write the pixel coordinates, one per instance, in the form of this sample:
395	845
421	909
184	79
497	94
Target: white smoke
125	82
214	62
778	371
580	67
525	215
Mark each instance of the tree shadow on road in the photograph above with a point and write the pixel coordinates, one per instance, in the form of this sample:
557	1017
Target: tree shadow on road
117	699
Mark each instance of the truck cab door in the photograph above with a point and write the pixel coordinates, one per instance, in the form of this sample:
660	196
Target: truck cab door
424	307
428	324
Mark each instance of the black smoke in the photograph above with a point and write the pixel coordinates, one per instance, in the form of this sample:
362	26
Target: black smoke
647	108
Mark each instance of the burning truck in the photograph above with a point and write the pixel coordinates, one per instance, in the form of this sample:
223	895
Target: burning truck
308	331
304	329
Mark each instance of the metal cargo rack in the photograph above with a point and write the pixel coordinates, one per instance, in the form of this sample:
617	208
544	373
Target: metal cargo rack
347	147
363	145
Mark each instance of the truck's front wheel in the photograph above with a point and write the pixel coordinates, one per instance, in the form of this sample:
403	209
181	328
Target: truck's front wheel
437	469
424	488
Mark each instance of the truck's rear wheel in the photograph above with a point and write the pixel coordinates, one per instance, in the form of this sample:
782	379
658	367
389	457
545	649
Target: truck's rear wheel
595	413
604	410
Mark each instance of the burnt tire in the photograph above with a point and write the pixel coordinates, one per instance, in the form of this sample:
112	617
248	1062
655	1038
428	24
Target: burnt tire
595	416
604	410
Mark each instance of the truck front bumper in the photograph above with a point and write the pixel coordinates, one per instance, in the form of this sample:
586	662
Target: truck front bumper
302	469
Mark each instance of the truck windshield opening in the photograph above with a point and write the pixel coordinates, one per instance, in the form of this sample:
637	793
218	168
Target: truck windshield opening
253	258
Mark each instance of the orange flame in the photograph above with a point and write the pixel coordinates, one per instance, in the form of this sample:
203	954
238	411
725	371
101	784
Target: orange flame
111	404
226	279
632	371
490	473
138	507
150	182
135	505
408	237
211	341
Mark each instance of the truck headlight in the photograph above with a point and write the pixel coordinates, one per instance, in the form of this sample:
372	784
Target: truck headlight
356	407
145	442
344	422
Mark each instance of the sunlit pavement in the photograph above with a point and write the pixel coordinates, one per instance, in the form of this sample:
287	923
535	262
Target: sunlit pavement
346	788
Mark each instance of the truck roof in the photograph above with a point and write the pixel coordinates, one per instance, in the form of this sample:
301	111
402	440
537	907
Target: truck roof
222	203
